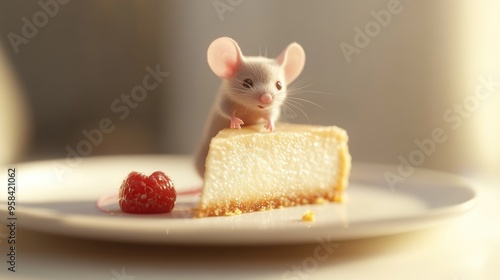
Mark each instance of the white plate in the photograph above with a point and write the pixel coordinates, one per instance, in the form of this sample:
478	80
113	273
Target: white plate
60	197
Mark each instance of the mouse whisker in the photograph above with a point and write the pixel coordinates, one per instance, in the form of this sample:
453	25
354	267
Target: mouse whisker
243	91
290	100
300	109
312	91
252	90
300	84
296	99
289	111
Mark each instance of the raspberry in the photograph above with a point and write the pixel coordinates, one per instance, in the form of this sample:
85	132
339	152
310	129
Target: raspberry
140	194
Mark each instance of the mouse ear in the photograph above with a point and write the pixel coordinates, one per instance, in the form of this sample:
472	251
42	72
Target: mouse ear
224	57
292	59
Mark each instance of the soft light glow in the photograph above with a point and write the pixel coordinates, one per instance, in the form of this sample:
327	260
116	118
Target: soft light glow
484	61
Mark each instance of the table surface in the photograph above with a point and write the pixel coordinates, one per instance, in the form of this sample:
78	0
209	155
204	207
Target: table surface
462	249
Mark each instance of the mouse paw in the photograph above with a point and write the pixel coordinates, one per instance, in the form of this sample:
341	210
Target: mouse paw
236	122
270	126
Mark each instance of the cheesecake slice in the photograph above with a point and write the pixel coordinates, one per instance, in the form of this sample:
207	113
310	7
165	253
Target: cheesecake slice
251	169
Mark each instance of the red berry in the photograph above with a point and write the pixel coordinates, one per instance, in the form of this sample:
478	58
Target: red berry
140	194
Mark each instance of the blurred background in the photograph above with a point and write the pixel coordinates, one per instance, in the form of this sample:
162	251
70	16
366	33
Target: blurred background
131	77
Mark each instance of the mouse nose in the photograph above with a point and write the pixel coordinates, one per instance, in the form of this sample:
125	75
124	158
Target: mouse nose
266	98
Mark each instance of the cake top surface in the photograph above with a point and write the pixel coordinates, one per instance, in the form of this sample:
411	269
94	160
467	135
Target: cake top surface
259	129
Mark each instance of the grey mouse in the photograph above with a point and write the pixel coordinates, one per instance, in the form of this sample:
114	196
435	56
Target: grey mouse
252	89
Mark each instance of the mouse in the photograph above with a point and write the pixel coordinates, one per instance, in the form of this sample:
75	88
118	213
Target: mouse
252	90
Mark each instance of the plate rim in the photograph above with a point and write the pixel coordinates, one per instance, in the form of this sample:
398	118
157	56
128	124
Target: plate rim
433	216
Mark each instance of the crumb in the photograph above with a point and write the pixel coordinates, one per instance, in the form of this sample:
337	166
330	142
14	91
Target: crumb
308	216
236	212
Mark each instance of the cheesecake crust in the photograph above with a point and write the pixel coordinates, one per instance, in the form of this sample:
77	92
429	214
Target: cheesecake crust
235	207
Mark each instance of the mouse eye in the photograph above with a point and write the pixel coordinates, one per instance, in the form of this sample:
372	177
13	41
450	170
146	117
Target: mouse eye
247	83
278	85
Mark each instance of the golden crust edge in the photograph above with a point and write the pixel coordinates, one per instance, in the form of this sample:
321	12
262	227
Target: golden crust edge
233	207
